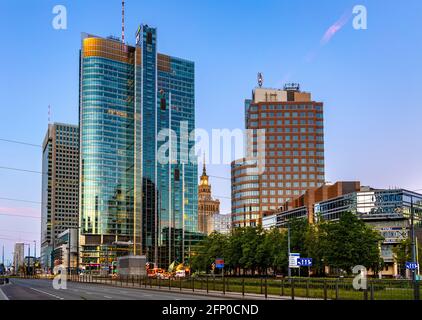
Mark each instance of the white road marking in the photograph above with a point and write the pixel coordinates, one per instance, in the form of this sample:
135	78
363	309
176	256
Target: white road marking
2	294
107	297
50	294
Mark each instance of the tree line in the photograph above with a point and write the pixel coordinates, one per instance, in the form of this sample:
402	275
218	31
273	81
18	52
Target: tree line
340	245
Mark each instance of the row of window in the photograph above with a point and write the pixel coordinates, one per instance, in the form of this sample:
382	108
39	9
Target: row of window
265	123
286	107
286	115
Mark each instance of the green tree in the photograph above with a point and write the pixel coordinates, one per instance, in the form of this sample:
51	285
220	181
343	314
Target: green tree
208	250
252	239
403	253
350	242
233	250
298	230
272	251
314	247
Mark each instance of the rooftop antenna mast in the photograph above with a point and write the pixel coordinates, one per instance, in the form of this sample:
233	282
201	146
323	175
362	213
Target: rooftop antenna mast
123	21
49	114
260	79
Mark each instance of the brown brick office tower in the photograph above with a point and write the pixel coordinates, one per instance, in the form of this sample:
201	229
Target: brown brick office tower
294	152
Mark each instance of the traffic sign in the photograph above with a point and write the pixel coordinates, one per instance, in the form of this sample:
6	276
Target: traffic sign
293	257
304	262
412	265
219	263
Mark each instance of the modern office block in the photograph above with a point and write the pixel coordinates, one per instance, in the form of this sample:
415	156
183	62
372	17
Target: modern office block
60	187
135	197
292	146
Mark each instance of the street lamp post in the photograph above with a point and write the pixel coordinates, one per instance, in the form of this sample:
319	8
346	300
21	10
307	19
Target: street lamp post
413	245
29	258
68	251
77	248
35	248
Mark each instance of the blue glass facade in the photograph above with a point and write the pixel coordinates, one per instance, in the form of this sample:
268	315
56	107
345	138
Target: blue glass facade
166	106
129	96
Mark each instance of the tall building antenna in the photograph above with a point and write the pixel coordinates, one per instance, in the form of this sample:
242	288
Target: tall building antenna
260	79
204	169
123	21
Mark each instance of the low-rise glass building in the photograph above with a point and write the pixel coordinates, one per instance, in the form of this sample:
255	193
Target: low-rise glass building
387	211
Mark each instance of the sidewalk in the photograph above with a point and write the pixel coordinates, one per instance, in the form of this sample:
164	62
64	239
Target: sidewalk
2	294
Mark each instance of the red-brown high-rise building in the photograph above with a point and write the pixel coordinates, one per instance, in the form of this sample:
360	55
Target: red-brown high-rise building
293	152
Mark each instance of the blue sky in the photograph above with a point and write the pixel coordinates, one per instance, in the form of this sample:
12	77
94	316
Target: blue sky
369	80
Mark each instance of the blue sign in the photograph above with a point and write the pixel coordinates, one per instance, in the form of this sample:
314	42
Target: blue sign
304	262
219	263
412	265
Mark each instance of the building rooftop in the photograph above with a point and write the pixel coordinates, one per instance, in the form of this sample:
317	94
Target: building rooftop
290	93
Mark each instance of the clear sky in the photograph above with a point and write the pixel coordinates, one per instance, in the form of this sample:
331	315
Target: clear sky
369	80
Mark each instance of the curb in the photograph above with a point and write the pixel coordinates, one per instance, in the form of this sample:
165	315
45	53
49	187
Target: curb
214	294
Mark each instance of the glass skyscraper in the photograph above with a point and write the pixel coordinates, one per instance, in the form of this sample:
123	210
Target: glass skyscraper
135	197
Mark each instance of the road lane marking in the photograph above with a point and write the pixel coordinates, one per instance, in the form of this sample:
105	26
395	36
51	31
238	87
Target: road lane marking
2	294
107	297
50	294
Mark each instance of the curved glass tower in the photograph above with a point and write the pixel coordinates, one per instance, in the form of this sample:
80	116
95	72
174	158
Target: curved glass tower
107	130
132	202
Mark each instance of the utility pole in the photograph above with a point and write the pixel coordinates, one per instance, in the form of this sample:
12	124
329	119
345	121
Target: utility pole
107	268
29	257
2	256
14	262
288	251
68	253
417	257
77	250
123	21
35	254
412	234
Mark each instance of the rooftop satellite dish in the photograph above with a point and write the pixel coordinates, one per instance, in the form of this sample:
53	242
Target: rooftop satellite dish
260	79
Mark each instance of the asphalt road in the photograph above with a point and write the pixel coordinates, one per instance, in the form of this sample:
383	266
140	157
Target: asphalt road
30	289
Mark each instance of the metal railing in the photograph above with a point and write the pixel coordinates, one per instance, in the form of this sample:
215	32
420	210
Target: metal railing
263	288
